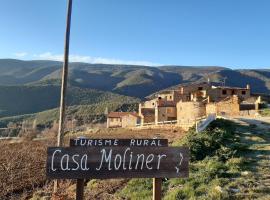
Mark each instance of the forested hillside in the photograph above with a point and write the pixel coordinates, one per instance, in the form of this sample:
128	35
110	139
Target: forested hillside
130	80
34	86
18	100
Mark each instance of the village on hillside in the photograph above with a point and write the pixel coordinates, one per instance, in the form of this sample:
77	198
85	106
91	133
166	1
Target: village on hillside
190	103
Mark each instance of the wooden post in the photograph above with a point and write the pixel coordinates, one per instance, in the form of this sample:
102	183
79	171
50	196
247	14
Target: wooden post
79	183
64	79
64	84
157	186
157	182
79	189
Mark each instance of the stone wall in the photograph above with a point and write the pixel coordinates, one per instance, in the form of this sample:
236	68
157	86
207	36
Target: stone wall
229	107
166	114
218	94
147	115
114	122
211	108
190	111
129	121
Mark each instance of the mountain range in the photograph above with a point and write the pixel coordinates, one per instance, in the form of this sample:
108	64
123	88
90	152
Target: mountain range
34	86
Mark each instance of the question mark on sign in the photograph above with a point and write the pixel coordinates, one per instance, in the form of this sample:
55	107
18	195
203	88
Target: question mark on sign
181	159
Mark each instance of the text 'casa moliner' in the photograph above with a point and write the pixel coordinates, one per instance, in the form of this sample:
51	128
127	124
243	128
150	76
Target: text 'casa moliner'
113	162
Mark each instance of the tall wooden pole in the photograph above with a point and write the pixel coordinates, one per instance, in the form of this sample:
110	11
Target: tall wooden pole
64	83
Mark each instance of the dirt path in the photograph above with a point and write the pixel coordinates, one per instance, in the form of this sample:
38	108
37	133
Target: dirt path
256	134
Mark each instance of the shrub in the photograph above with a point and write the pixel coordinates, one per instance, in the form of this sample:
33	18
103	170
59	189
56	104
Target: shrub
214	159
215	140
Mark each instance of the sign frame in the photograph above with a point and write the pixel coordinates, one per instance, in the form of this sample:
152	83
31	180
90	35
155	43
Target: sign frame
117	162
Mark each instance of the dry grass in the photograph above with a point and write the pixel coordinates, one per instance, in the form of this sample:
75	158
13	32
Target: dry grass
22	164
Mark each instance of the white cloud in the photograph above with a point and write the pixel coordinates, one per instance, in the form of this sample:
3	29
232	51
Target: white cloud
89	59
21	54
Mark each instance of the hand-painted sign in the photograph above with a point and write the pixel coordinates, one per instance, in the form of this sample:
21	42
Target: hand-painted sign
87	142
117	162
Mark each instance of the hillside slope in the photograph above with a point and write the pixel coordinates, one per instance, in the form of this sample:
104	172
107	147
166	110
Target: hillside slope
34	86
138	81
18	100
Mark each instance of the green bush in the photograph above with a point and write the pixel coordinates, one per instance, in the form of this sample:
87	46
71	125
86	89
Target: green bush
215	140
214	156
214	160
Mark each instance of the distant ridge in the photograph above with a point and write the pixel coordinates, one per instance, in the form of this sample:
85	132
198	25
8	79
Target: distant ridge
38	82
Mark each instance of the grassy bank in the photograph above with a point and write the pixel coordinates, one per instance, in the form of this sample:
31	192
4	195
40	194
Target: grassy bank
215	160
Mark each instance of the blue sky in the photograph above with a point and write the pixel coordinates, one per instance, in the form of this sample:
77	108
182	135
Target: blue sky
230	33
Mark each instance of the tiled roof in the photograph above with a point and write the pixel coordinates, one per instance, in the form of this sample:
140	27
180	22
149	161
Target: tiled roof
121	114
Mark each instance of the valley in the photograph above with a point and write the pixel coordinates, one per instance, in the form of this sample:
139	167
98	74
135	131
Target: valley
228	159
31	89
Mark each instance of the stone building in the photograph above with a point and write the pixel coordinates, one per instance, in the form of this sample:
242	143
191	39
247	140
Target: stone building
165	111
157	110
194	91
187	102
189	112
190	101
169	95
229	107
220	93
122	119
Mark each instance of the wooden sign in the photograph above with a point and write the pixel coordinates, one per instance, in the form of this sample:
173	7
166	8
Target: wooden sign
89	142
117	162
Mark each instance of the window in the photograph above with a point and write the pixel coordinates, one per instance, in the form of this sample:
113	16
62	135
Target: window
170	97
112	119
233	92
153	104
159	97
200	88
224	92
243	92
